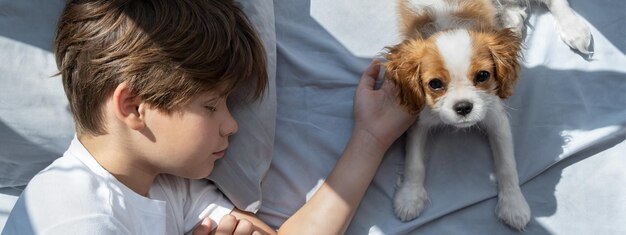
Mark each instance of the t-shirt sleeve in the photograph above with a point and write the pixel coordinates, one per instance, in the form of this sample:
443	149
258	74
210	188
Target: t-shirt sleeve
204	199
92	224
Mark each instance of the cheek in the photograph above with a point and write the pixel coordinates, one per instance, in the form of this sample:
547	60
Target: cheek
187	135
198	135
161	128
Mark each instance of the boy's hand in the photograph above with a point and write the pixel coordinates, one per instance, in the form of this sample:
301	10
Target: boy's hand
227	226
377	112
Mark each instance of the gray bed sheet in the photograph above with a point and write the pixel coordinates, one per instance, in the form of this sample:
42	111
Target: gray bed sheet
568	116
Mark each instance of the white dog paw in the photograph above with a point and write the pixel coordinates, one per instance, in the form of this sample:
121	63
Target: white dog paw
409	202
513	209
576	34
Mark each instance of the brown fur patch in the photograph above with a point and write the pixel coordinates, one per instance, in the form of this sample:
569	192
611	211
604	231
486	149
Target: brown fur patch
412	25
433	68
505	47
403	67
412	65
482	60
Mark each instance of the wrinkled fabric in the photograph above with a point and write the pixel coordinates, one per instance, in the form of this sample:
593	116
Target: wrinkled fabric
567	116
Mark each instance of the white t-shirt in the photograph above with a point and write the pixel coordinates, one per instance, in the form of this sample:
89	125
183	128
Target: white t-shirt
75	195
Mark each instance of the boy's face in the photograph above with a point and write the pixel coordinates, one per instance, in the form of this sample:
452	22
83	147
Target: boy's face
186	143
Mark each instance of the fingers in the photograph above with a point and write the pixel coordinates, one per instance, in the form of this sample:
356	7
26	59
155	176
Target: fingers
227	225
368	79
230	225
244	227
203	228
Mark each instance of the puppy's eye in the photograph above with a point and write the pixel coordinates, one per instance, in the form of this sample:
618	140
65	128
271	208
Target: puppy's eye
435	84
482	76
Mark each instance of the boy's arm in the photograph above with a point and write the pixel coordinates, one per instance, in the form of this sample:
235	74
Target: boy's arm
379	121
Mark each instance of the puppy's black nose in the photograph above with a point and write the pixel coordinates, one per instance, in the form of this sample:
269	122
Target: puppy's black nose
463	108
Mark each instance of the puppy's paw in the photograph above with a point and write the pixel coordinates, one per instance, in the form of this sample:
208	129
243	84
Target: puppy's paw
513	209
576	34
409	202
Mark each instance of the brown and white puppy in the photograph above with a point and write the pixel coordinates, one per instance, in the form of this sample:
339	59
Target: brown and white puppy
455	68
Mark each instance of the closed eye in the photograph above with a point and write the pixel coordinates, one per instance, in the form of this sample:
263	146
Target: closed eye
210	108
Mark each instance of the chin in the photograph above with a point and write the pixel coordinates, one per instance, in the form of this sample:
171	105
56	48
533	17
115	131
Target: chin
455	67
198	173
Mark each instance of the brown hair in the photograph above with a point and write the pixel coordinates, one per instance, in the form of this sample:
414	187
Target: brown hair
167	51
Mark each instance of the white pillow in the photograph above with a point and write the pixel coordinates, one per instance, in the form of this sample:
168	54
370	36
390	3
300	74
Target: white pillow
248	158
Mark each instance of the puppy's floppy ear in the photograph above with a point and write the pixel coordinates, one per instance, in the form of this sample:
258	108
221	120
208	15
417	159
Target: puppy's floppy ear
402	67
505	48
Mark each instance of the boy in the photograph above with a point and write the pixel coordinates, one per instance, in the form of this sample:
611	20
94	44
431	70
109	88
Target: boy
147	83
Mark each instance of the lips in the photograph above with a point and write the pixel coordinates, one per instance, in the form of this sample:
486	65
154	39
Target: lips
220	154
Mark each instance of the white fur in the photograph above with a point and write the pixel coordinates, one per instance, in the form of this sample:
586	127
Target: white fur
511	207
411	196
441	11
573	29
488	110
439	8
574	32
455	48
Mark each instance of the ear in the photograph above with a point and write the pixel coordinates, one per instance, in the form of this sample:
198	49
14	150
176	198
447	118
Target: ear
403	68
505	48
128	107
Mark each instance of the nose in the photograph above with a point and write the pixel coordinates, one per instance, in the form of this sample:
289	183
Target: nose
463	108
229	126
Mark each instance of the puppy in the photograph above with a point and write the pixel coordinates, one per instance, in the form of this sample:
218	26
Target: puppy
455	68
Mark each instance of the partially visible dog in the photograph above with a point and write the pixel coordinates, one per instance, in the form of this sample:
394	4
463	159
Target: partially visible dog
572	28
458	61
